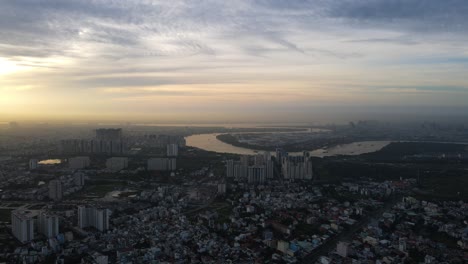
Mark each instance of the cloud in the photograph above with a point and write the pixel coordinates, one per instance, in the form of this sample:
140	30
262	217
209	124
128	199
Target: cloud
422	88
405	15
116	29
147	28
402	40
301	51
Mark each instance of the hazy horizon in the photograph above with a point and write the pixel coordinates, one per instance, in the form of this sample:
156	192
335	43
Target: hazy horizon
243	61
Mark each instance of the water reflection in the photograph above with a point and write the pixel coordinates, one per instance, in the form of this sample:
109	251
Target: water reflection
50	161
209	142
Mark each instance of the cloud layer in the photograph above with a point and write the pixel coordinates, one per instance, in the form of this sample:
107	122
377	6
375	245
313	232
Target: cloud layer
136	58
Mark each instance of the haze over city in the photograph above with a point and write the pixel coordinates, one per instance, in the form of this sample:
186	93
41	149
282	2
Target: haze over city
232	61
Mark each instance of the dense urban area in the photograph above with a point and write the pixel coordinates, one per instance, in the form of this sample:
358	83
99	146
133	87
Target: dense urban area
93	193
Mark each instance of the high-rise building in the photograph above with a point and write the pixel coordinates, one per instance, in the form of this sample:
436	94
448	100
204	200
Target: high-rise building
230	168
33	163
171	164
93	217
79	179
55	190
308	170
297	167
172	150
280	153
240	172
48	224
269	169
238	169
263	168
256	175
162	164
117	163
22	225
79	162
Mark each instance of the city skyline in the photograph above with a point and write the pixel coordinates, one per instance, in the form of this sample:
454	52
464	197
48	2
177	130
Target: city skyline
231	61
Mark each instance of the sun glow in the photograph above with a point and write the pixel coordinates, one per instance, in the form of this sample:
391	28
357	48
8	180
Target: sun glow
7	100
8	66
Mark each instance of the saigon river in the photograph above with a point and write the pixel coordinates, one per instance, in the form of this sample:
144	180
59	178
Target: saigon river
209	142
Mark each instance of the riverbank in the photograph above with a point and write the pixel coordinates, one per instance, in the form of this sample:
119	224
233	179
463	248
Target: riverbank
317	143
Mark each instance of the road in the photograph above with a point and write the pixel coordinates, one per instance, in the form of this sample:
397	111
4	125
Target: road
348	234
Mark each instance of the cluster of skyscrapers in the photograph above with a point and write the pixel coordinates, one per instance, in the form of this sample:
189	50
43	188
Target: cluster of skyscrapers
107	141
259	168
24	223
297	167
253	169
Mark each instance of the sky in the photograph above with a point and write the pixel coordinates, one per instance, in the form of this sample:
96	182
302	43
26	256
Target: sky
243	60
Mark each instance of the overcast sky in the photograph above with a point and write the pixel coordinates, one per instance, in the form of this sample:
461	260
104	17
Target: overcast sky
229	60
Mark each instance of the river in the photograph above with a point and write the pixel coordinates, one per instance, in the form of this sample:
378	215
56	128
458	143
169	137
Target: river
209	142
